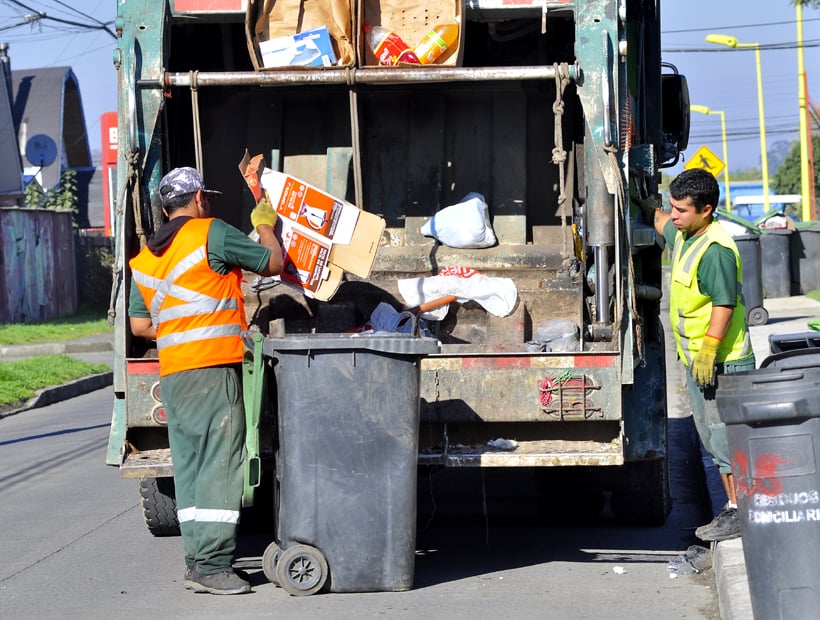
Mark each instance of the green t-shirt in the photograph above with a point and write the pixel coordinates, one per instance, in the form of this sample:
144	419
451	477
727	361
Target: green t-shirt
717	271
228	247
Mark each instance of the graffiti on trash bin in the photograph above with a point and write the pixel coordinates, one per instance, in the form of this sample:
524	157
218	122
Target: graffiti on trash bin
769	503
765	482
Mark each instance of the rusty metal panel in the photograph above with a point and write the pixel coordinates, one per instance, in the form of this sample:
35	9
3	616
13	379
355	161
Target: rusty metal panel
531	388
38	276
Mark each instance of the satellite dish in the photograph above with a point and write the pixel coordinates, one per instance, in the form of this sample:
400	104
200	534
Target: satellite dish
41	150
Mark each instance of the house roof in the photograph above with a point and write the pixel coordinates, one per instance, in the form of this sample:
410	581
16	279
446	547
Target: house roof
47	102
11	171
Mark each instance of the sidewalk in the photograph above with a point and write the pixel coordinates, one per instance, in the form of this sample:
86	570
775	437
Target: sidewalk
96	349
787	315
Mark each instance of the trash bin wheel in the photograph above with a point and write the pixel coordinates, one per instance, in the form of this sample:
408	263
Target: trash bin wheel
301	570
758	316
269	560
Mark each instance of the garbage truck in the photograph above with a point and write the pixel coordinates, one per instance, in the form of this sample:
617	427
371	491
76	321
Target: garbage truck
559	114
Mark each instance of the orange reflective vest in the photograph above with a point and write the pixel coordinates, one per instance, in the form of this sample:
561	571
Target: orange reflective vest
198	313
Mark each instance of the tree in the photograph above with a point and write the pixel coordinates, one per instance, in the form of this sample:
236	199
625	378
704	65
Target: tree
788	180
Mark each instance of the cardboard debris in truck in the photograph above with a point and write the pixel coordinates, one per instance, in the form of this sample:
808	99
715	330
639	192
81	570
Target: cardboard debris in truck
322	236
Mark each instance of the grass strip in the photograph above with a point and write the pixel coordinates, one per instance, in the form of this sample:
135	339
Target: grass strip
79	325
20	379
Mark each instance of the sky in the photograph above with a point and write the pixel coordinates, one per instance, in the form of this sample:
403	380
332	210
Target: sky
719	77
725	79
48	43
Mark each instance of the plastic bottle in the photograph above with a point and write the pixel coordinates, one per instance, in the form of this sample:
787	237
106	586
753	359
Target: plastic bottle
387	47
436	42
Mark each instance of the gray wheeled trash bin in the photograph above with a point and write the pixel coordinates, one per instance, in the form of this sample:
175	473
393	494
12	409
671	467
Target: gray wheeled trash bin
749	248
772	418
776	262
805	257
346	461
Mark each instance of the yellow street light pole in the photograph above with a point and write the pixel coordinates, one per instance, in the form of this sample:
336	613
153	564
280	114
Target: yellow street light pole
805	170
702	109
729	41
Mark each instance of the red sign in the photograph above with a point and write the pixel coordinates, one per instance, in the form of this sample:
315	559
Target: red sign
110	142
209	6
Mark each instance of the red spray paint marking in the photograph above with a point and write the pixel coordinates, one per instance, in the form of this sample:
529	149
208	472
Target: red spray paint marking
766	483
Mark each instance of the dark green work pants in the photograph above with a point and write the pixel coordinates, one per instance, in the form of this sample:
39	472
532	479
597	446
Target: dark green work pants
206	430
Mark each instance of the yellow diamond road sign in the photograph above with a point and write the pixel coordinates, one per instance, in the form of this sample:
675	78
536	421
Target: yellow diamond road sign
706	159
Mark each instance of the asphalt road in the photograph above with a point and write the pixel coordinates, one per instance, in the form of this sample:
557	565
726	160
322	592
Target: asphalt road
74	544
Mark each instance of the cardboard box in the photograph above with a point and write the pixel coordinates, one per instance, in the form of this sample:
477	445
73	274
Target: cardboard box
322	236
311	48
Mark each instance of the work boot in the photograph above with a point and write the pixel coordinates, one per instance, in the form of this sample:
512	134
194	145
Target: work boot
725	526
226	582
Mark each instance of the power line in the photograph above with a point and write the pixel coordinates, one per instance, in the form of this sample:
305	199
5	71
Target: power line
763	47
84	25
713	28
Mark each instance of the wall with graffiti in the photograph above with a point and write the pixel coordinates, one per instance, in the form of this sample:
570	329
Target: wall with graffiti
37	267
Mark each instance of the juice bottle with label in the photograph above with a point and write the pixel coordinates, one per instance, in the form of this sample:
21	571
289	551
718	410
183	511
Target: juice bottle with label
436	42
387	47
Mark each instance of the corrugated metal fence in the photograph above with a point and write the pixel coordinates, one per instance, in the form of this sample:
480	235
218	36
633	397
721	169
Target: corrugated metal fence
38	276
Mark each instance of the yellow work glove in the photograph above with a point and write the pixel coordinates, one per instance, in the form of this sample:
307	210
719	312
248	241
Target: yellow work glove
263	214
703	366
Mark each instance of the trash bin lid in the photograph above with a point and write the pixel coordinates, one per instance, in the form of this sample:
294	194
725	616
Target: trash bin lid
769	395
384	342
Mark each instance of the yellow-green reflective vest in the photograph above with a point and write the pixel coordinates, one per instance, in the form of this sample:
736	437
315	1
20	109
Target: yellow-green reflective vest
690	310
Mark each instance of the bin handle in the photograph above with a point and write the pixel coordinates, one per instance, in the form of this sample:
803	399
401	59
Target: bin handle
781	378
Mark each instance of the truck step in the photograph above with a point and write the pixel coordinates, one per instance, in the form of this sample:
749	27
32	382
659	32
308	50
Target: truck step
540	453
147	464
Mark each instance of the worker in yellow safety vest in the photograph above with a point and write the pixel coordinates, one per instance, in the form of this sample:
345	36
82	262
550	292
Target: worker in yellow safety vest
708	317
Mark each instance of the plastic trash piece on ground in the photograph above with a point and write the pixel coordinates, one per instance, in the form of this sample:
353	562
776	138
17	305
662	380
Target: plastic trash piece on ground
619	570
503	444
695	560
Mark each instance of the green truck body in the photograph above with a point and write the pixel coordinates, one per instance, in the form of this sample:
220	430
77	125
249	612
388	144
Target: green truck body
556	112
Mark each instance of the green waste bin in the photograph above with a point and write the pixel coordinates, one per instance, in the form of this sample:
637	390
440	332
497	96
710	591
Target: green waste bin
346	461
772	418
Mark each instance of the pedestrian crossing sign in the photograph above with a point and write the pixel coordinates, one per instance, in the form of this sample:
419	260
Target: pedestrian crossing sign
706	159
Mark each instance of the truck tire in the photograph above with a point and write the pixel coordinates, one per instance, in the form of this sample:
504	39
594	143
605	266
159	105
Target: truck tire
648	500
159	506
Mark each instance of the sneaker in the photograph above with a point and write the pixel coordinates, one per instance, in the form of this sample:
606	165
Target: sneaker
226	582
725	526
190	579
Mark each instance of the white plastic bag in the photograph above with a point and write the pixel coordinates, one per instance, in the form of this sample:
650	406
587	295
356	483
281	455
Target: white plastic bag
463	225
497	296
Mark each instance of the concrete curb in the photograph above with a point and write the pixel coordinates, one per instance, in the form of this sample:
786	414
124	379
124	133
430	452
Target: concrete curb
58	393
55	348
731	580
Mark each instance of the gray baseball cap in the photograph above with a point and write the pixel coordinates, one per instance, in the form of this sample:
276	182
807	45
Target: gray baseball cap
181	181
